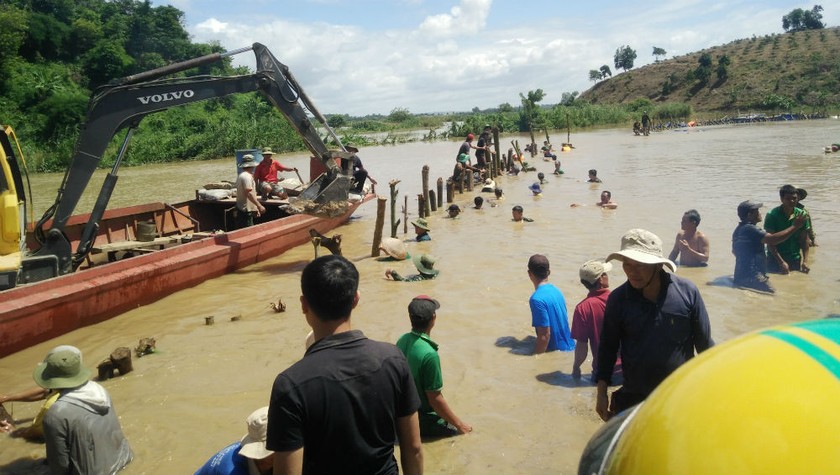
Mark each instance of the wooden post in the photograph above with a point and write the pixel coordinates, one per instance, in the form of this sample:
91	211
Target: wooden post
432	202
450	190
470	179
498	156
380	222
122	360
421	206
426	204
440	192
394	221
405	215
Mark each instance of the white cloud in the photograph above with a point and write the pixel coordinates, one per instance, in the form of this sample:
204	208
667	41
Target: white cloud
467	18
476	53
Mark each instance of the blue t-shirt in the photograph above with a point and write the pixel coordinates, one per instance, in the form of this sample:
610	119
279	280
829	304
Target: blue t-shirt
548	309
226	462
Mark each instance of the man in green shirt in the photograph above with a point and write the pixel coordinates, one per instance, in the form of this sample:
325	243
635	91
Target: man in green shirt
792	253
436	417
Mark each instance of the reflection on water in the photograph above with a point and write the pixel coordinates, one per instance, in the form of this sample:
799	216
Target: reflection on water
528	415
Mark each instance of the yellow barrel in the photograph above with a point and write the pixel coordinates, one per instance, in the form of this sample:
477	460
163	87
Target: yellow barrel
764	403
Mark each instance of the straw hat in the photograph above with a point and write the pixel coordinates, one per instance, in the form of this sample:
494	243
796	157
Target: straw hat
253	444
267	151
394	248
641	246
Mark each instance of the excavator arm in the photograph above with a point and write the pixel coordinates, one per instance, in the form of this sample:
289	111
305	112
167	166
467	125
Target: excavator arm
125	102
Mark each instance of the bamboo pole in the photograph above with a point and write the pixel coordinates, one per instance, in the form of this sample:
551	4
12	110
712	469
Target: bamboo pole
380	223
426	204
394	221
440	192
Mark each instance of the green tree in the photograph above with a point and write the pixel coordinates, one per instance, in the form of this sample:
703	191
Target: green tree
84	34
605	72
106	61
399	114
624	58
657	52
338	120
799	19
594	75
13	28
530	115
704	69
568	98
723	68
505	107
46	38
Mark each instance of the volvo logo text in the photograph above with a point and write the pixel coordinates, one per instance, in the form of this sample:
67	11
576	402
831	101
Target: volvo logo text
166	96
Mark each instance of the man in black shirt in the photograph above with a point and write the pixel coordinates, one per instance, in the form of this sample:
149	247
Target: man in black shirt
343	406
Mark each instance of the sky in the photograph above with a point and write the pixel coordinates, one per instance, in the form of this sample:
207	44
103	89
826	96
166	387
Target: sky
361	57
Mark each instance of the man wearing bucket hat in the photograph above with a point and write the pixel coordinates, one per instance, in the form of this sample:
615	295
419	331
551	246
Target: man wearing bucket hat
265	174
748	242
437	419
425	266
589	314
421	230
81	428
247	204
656	319
247	456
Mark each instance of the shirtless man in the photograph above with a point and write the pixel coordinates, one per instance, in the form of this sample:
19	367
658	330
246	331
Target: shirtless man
691	245
606	201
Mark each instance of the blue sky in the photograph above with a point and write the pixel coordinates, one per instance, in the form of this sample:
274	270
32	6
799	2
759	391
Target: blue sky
361	57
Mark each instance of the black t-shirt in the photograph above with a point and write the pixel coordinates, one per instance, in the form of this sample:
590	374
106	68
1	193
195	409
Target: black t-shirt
341	403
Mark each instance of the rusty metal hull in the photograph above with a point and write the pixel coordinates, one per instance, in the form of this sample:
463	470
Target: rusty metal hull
36	312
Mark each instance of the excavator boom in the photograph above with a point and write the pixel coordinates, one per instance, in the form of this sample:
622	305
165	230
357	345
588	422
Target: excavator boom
125	102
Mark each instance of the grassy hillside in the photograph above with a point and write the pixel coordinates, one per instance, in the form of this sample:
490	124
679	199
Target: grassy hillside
790	72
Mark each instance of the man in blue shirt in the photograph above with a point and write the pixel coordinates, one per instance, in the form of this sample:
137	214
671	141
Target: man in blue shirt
247	456
548	309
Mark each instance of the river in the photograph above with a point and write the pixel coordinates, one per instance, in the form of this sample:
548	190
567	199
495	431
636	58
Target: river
190	399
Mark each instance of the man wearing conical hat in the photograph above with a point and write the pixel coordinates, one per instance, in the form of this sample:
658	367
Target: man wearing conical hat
656	320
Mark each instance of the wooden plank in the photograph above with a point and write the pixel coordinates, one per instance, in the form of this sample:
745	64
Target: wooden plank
127	245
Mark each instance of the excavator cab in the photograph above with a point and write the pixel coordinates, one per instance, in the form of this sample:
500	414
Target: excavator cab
12	208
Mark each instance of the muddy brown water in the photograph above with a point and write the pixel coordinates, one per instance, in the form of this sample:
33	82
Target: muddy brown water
190	399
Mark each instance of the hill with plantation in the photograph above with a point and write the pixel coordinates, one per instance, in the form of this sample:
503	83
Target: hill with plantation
796	72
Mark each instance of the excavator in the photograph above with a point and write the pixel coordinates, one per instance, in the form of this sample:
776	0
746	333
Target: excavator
121	105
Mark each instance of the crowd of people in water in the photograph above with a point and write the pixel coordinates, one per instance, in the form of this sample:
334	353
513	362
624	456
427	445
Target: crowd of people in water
344	406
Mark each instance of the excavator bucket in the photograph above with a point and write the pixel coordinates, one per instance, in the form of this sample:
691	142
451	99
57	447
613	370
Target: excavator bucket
328	187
